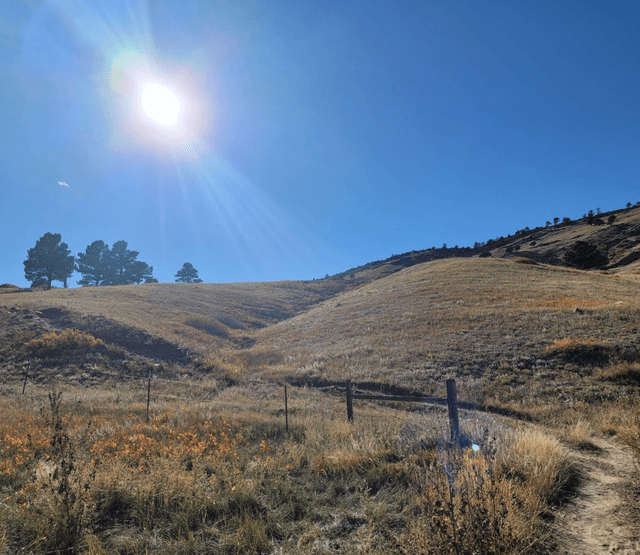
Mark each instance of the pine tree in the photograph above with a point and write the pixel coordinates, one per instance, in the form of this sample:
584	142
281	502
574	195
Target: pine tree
50	260
187	274
93	264
124	268
585	255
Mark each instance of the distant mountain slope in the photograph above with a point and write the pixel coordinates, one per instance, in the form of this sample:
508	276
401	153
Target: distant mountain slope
620	241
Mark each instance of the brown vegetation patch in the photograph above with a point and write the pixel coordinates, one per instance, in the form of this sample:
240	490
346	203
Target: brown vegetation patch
623	373
226	477
212	326
135	340
580	351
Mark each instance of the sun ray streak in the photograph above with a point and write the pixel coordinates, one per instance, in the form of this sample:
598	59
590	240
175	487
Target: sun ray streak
258	232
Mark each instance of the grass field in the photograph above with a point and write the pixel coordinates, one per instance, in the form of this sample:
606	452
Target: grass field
548	355
87	474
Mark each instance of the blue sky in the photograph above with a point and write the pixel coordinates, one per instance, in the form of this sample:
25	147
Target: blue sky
313	136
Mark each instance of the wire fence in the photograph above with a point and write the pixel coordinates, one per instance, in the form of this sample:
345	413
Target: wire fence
152	392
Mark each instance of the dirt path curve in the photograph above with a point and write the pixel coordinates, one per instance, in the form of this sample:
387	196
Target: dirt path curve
597	522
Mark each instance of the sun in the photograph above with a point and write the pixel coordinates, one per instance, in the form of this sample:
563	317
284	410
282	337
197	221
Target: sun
160	103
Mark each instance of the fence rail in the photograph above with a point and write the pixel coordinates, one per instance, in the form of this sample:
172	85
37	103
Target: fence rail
451	401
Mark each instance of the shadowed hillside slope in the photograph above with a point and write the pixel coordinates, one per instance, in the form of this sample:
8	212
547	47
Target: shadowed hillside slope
201	318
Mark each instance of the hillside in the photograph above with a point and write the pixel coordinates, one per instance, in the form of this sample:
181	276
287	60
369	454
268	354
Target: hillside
403	322
545	357
619	241
204	312
504	329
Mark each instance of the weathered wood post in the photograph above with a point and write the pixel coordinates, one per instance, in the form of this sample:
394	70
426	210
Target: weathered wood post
286	410
26	375
452	403
148	394
349	402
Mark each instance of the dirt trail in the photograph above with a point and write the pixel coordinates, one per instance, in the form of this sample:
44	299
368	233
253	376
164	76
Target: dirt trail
597	521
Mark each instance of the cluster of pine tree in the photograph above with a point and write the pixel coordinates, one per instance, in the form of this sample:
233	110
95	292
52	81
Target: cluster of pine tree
51	260
101	265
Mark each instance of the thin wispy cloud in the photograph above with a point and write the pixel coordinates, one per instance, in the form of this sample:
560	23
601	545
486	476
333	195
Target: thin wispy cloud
63	184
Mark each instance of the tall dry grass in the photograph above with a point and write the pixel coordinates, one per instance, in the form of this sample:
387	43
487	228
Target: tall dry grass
87	474
219	474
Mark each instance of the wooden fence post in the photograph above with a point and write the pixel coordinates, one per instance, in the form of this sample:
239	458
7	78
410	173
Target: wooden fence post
26	375
452	403
349	402
286	410
148	394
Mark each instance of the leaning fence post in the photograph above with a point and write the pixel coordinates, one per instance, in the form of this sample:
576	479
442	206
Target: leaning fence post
452	403
349	402
148	394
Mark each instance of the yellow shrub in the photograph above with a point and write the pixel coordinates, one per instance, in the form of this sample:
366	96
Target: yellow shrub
58	343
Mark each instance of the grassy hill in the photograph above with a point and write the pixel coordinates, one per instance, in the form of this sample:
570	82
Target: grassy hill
400	322
620	241
514	334
498	324
213	470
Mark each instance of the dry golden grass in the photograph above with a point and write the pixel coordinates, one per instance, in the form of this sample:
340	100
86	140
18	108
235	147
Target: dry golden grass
489	323
87	474
508	332
170	310
567	303
51	344
492	324
524	260
213	471
540	457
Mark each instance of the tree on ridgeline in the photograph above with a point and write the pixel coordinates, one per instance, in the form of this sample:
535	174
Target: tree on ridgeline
93	264
101	265
50	260
187	274
124	268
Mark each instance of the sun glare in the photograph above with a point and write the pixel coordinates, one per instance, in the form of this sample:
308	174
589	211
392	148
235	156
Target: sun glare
160	104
